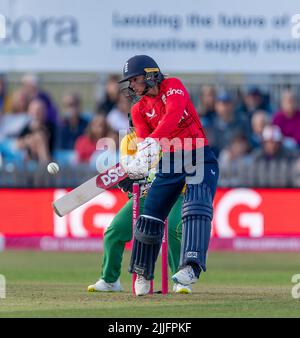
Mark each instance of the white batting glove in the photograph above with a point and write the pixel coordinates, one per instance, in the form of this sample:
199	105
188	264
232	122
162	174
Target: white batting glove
149	152
135	169
147	156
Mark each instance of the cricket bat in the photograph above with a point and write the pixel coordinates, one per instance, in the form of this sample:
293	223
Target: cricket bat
90	189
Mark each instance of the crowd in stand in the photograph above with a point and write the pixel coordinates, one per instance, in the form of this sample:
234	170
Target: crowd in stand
245	129
32	129
251	130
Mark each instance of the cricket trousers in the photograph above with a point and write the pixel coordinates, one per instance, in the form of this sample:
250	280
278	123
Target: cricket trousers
166	187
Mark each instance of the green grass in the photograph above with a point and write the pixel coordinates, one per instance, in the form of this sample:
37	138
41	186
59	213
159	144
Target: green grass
41	284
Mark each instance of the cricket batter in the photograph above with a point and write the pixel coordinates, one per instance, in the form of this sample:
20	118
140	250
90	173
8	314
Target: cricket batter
164	113
120	231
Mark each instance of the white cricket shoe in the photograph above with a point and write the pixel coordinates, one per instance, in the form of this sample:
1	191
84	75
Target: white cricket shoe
184	289
185	276
141	286
102	286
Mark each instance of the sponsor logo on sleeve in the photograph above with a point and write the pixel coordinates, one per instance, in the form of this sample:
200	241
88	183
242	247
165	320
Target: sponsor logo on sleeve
172	91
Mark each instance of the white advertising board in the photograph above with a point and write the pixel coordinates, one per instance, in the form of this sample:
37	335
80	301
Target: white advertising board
189	36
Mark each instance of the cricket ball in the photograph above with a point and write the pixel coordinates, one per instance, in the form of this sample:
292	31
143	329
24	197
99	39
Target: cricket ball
53	168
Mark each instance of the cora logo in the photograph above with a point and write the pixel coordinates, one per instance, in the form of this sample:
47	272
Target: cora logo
30	30
252	220
172	91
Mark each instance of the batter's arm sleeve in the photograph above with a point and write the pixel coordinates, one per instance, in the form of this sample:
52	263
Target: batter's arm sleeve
140	125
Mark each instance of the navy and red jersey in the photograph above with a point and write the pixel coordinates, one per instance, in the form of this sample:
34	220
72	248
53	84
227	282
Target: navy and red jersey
169	115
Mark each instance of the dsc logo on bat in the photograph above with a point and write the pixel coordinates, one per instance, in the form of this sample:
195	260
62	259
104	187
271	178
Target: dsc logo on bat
111	177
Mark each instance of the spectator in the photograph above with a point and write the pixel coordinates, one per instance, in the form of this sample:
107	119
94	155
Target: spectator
37	137
288	119
73	124
233	160
259	120
30	85
237	150
117	118
5	104
272	146
20	102
226	124
86	144
296	173
111	95
254	100
207	110
12	124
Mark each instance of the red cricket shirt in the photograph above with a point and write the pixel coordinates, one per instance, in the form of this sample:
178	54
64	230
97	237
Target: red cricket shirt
168	116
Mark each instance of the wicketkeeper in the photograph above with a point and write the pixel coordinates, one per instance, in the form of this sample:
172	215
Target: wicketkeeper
165	114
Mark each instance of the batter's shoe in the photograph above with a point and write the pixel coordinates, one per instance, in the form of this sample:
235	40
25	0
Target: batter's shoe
185	276
184	289
102	286
141	286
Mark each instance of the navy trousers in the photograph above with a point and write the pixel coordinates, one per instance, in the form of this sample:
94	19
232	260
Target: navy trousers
166	187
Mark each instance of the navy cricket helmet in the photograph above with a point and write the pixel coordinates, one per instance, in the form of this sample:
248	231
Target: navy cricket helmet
139	65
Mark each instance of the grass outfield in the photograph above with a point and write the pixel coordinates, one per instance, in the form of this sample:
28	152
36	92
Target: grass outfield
43	284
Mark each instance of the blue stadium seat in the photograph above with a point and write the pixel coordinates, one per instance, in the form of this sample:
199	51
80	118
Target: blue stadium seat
10	153
64	157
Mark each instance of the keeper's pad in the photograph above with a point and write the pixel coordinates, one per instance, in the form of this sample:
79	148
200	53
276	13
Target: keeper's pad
197	213
147	242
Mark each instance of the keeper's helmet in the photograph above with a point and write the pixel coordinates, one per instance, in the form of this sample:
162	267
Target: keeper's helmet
142	65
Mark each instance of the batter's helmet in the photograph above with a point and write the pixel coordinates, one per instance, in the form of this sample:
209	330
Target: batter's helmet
140	65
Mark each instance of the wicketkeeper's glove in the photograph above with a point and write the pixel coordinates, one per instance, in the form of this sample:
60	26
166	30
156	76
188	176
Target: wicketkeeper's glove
126	185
